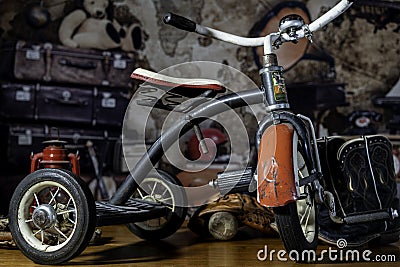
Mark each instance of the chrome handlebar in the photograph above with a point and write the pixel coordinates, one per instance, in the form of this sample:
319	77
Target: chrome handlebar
292	28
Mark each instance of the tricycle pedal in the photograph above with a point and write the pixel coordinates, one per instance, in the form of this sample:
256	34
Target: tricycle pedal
236	181
134	210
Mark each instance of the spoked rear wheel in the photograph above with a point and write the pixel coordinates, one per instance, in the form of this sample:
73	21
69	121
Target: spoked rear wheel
52	216
297	221
158	187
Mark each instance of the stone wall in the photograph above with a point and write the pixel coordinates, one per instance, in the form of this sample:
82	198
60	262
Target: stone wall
367	62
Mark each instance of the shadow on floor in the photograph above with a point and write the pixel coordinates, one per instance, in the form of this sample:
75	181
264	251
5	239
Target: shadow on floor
142	251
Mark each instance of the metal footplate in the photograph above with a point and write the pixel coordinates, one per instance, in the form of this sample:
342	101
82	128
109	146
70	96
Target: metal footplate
135	210
369	216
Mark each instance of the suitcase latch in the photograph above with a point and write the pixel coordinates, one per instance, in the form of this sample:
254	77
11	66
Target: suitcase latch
33	53
23	95
25	139
107	101
119	63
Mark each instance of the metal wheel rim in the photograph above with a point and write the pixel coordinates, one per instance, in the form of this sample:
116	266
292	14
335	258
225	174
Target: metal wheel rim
305	207
147	191
66	217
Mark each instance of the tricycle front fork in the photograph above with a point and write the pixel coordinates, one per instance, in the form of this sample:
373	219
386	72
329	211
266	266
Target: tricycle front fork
279	138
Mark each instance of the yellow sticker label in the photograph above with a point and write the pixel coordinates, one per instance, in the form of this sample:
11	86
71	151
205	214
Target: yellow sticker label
278	81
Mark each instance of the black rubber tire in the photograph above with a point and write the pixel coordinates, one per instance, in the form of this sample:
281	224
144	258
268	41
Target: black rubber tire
83	217
291	232
173	220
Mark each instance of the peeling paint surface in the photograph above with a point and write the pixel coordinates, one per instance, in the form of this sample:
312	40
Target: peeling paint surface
276	185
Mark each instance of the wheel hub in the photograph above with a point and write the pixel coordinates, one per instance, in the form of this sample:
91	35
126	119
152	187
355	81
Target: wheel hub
44	216
150	198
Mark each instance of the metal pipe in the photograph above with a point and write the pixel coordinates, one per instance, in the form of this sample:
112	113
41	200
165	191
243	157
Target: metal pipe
166	140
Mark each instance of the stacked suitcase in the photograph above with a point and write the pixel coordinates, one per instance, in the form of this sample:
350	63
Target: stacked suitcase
82	92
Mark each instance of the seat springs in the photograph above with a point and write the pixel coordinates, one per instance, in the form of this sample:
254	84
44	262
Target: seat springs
167	101
147	92
171	99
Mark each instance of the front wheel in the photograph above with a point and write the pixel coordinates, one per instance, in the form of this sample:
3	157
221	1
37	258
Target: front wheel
52	216
161	187
297	221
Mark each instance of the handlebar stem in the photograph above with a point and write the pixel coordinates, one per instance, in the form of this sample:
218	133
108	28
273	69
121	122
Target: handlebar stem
269	41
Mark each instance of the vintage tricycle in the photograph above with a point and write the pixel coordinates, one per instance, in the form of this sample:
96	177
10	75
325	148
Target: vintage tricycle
53	215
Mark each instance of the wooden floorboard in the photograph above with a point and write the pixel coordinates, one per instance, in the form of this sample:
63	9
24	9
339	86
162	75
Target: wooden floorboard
119	247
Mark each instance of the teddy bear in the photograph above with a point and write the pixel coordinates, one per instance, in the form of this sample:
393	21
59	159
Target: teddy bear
93	26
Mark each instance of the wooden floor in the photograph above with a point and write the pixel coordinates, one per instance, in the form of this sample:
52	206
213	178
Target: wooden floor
118	247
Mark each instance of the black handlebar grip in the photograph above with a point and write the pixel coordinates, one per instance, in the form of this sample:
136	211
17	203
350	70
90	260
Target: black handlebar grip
180	22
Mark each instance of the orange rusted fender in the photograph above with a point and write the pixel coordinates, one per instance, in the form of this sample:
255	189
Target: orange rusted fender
276	180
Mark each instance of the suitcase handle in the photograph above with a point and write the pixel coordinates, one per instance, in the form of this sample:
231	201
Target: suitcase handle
76	64
66	101
47	76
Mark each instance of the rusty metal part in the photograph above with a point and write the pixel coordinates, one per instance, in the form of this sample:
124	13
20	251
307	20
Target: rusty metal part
276	181
55	156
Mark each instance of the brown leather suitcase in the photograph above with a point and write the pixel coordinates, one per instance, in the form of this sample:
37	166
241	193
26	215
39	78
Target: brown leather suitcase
64	104
109	107
17	101
20	140
48	62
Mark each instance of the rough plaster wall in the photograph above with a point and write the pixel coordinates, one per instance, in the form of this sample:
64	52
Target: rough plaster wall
368	63
167	46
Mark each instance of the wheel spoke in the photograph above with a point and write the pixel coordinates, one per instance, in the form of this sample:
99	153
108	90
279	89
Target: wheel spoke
35	233
66	211
74	223
41	235
69	202
28	221
153	189
162	200
61	233
53	197
165	191
140	193
308	208
36	198
308	217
